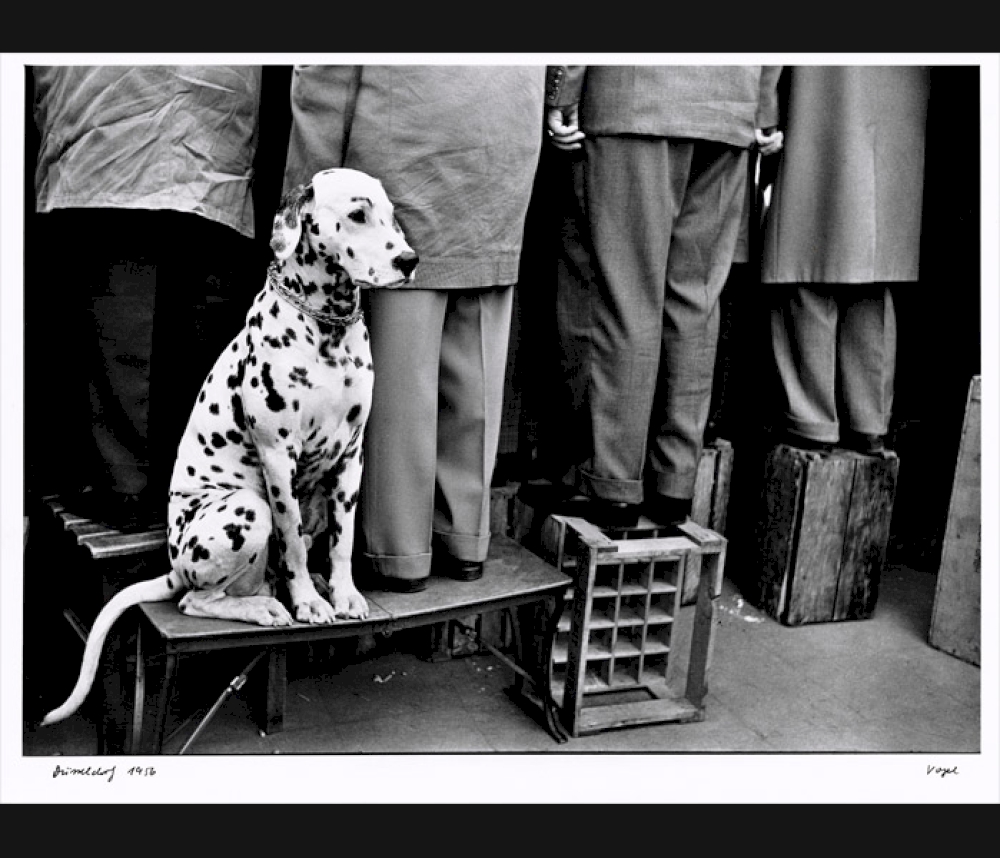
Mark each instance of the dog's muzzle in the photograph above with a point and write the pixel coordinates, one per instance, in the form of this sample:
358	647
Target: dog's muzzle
406	262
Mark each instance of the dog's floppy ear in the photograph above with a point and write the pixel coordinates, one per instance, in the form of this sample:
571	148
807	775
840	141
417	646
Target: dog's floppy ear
288	221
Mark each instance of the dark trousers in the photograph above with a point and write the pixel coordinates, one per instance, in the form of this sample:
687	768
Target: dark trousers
835	354
152	299
645	256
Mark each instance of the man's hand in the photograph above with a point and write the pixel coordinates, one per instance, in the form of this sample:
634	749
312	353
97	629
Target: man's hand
562	126
769	140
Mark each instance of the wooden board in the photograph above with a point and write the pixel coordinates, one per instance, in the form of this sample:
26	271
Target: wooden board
955	619
819	542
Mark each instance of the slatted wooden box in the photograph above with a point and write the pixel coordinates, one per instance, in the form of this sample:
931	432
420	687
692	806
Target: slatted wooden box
822	534
709	509
626	652
955	619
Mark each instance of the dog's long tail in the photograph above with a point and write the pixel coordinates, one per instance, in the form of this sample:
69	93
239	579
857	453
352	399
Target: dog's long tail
155	590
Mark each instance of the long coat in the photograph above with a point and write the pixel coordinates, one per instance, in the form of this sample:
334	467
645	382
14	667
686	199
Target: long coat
456	148
148	137
847	200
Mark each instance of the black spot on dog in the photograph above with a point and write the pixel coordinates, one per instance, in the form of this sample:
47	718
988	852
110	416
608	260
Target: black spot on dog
190	471
234	436
352	415
214	408
236	379
218	441
200	553
238	417
235	534
274	400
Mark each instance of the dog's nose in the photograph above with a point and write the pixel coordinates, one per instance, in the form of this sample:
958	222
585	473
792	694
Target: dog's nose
406	262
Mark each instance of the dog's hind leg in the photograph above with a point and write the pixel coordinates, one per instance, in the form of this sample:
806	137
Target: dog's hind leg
223	557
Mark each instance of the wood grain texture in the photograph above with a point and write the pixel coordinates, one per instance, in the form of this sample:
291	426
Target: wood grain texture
866	536
819	540
784	475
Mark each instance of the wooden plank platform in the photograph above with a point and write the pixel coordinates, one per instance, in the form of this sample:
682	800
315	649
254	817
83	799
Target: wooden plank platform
513	577
100	541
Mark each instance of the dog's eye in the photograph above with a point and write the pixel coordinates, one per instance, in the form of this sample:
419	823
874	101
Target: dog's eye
358	216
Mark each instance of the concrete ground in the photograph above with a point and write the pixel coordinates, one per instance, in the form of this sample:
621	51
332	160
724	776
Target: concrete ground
864	686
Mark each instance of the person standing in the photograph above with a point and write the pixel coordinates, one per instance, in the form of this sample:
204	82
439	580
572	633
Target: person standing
143	191
843	230
660	183
456	148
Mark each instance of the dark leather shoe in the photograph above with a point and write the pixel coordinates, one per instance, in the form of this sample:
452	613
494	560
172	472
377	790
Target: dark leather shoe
667	510
458	570
859	442
544	495
400	585
800	442
600	512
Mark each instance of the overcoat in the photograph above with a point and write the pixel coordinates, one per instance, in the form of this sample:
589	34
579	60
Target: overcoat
178	138
847	200
456	149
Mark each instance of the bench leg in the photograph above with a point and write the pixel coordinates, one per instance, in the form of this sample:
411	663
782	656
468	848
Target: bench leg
272	719
163	700
139	697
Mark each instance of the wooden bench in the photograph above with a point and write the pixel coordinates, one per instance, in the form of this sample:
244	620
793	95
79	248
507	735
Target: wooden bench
514	577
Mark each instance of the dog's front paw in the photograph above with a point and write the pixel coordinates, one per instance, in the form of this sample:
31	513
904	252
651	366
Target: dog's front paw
314	610
266	611
348	602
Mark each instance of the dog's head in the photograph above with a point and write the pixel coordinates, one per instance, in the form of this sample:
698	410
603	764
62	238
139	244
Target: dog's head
342	221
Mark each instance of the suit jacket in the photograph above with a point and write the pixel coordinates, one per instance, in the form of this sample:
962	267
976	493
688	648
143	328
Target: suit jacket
721	103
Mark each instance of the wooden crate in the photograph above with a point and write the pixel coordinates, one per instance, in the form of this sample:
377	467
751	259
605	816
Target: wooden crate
956	615
822	534
709	509
626	653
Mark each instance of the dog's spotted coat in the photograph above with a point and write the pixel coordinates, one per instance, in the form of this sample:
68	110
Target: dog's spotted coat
272	454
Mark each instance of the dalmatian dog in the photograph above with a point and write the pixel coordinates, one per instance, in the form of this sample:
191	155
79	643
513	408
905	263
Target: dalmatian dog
271	457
